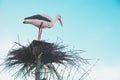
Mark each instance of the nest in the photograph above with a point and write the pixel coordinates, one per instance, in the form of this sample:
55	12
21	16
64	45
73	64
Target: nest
25	57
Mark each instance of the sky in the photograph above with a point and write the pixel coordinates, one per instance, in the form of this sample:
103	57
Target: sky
90	25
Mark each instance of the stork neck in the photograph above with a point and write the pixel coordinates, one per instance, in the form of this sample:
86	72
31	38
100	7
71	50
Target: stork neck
55	20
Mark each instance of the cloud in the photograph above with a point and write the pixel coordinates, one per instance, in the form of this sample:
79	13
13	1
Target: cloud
106	73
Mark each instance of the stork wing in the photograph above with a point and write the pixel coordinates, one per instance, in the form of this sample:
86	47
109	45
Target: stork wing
40	17
48	17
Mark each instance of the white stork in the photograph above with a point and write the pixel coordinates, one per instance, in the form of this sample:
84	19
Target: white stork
42	21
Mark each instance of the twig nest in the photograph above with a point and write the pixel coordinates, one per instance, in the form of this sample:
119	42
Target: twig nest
25	57
48	52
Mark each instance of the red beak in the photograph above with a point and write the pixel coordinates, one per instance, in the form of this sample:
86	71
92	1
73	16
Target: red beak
60	22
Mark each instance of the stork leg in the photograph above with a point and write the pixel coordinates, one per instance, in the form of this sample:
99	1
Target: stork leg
40	32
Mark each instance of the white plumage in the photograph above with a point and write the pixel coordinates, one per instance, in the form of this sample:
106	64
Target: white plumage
48	22
42	21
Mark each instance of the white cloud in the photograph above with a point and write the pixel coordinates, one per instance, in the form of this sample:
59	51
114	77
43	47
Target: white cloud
6	77
106	73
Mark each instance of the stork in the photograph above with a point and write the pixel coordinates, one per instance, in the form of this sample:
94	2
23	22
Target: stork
42	21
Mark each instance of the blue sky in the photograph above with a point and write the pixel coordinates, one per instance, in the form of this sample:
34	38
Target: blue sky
90	25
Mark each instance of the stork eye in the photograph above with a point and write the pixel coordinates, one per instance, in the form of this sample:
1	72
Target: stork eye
60	16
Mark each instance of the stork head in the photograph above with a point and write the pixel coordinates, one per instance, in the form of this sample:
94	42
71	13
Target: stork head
59	18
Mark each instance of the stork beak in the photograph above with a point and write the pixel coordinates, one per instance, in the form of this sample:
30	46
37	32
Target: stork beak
60	22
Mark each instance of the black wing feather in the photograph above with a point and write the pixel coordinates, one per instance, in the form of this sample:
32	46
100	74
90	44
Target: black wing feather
40	17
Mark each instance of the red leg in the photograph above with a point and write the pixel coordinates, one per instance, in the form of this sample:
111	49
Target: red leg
40	32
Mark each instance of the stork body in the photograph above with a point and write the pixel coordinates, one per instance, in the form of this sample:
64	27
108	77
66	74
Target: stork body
42	21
